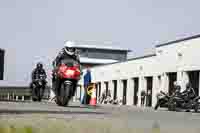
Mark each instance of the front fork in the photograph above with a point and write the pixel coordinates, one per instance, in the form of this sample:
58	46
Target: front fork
74	85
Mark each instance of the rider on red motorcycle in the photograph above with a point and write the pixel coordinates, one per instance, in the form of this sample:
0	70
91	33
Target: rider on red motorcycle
68	52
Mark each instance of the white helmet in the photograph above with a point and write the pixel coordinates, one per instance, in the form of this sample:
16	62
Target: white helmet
69	48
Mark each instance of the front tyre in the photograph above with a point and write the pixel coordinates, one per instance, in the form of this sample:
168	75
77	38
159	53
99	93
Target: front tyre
34	94
39	96
65	94
172	105
40	93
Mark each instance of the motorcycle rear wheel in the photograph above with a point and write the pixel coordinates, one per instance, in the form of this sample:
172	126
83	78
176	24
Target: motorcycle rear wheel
196	107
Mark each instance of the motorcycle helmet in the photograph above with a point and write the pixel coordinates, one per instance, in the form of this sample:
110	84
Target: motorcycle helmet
175	83
39	65
178	88
69	48
188	85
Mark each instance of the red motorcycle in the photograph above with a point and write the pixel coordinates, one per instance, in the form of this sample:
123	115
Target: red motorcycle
68	74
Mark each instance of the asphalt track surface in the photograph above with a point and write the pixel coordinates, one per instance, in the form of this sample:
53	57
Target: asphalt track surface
132	116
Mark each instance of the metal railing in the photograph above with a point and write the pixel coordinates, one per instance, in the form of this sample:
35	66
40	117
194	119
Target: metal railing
13	93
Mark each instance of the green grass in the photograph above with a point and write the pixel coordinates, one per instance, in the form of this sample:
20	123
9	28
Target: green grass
40	124
44	125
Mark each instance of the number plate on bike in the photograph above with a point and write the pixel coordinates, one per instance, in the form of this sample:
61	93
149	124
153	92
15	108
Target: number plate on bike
69	72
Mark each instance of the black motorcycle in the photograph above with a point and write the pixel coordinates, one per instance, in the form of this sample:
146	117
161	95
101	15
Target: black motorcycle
38	90
181	101
162	100
196	103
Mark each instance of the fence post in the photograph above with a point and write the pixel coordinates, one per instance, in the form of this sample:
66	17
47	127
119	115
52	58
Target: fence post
13	96
8	98
22	98
16	98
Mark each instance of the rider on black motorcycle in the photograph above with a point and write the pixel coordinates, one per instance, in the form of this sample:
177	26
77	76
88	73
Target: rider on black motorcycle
68	52
177	88
36	73
189	92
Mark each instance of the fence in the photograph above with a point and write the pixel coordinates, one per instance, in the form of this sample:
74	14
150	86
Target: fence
20	93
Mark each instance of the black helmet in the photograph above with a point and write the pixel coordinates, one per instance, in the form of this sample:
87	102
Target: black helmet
188	85
39	65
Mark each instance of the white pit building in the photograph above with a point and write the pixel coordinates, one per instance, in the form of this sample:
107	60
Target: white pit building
172	61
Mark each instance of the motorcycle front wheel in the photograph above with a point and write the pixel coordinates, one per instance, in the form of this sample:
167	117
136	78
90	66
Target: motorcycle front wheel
40	94
172	106
65	95
157	105
34	94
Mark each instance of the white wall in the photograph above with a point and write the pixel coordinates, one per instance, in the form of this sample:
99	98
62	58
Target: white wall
125	70
170	61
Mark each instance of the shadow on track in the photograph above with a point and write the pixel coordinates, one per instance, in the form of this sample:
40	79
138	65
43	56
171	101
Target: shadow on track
83	106
5	111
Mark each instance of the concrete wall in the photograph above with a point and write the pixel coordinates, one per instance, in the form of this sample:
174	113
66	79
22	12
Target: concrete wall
179	57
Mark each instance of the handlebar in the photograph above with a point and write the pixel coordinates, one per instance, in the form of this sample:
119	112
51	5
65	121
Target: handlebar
41	77
69	62
163	93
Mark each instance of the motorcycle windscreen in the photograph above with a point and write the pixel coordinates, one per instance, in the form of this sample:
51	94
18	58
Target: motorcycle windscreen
69	62
40	77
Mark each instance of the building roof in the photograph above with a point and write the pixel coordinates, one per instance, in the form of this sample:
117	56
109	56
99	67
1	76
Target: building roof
96	61
135	58
141	57
179	40
99	45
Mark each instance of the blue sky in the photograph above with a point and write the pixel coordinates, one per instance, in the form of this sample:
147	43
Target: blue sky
33	30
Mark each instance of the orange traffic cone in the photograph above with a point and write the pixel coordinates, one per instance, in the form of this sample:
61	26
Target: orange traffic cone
93	100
